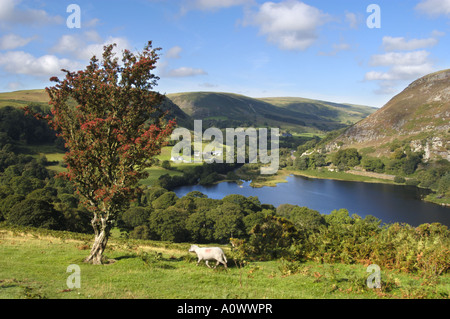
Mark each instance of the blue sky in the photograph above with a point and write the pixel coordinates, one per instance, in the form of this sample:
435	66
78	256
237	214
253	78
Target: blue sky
314	48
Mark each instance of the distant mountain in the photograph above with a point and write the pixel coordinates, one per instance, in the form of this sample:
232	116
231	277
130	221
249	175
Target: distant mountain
233	110
297	114
418	116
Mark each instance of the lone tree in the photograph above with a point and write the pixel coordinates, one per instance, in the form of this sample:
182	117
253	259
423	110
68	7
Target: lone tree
113	124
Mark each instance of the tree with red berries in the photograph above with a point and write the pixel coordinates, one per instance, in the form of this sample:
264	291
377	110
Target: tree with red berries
113	124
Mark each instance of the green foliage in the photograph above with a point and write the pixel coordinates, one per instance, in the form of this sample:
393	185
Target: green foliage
228	223
444	184
304	219
399	179
7	203
166	164
346	157
403	161
77	220
271	239
165	200
135	216
301	163
141	232
200	226
169	224
35	213
205	174
15	127
372	164
312	161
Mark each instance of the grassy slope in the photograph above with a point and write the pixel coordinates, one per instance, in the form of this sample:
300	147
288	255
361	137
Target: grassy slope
34	265
344	113
23	98
288	113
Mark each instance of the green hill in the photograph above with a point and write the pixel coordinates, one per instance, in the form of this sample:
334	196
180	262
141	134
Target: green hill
233	110
297	114
328	111
23	98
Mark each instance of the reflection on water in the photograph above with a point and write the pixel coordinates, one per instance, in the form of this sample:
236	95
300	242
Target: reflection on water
390	203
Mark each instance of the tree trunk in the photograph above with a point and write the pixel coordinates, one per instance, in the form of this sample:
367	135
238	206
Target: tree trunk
101	230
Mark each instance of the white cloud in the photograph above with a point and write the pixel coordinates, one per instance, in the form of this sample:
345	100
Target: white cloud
79	46
174	52
434	8
11	14
399	58
68	44
96	49
184	72
292	25
13	41
404	60
19	62
166	71
212	5
401	44
402	66
401	72
352	19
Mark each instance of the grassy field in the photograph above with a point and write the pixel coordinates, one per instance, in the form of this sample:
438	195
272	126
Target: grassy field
34	265
23	98
325	174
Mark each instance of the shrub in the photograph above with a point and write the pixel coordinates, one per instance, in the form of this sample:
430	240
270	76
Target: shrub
77	220
135	216
169	224
304	219
399	179
141	232
165	200
7	203
166	164
272	239
412	182
347	157
36	213
372	164
444	184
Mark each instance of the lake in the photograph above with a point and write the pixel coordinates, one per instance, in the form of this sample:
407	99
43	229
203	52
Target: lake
390	203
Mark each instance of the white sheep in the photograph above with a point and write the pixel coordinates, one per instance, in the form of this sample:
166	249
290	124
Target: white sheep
209	253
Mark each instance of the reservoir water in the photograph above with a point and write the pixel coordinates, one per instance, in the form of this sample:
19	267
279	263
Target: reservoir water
390	203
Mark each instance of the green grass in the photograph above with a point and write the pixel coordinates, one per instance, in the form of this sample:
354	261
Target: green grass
23	98
325	174
53	155
440	200
155	172
34	265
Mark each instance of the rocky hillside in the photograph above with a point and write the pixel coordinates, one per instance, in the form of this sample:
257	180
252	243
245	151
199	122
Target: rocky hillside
419	116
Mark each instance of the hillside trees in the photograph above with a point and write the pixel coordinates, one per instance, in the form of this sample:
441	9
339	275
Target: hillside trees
346	158
113	125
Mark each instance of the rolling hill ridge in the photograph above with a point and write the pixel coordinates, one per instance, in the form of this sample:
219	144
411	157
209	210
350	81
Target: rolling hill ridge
223	110
297	114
